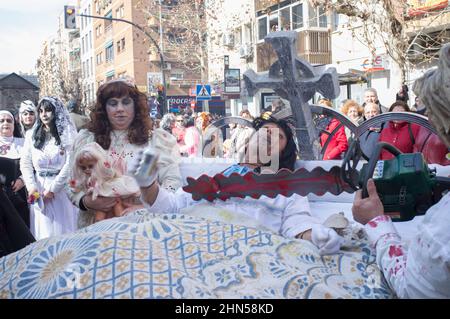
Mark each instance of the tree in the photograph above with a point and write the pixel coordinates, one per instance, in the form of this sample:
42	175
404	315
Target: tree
55	76
184	31
387	22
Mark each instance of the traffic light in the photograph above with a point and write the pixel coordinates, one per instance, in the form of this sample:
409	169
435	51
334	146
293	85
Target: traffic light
69	17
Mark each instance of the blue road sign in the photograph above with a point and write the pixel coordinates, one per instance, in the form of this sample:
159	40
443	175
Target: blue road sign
203	92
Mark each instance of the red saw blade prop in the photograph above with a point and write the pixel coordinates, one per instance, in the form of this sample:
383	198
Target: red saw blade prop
284	182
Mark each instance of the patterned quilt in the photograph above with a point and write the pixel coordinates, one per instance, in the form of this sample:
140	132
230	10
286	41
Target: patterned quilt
180	256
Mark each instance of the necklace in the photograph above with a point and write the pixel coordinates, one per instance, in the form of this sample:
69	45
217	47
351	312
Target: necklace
118	144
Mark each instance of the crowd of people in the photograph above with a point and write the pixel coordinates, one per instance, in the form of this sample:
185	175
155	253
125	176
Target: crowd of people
407	137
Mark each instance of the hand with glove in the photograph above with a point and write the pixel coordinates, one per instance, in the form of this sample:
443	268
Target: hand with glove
144	170
326	239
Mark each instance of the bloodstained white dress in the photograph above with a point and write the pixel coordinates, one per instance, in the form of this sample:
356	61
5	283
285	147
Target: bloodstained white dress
51	165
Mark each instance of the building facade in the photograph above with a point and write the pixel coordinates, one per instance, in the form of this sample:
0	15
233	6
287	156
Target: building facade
15	88
238	32
87	55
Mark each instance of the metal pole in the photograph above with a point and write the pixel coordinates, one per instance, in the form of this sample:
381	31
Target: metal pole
151	39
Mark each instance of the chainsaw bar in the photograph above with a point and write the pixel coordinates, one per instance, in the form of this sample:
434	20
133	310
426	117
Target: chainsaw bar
284	182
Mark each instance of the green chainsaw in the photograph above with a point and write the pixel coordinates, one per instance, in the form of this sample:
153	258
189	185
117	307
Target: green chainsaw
406	185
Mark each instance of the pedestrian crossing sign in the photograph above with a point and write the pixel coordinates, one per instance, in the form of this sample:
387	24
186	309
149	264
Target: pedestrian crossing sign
203	92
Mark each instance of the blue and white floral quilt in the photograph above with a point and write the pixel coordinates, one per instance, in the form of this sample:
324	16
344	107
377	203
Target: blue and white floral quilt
181	256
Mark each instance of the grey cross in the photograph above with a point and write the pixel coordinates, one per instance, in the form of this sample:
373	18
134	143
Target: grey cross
294	80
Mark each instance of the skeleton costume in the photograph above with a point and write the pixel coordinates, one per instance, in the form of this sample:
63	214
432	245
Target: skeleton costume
47	169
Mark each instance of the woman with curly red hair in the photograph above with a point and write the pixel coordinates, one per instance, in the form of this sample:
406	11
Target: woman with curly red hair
121	125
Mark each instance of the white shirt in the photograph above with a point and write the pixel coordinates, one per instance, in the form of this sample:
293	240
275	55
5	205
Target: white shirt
15	146
287	216
423	269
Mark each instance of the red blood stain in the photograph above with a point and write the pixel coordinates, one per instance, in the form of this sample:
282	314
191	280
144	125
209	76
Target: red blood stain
395	251
372	223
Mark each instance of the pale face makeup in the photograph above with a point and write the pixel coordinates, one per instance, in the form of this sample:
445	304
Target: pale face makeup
46	115
120	112
6	125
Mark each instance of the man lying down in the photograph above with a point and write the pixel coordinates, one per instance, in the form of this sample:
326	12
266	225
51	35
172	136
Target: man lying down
271	148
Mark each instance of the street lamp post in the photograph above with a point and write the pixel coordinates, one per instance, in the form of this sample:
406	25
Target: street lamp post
161	57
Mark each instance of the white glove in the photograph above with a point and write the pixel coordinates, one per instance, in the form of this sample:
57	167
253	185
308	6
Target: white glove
143	168
326	239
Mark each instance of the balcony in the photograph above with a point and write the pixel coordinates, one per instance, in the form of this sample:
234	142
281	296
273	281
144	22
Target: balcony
312	46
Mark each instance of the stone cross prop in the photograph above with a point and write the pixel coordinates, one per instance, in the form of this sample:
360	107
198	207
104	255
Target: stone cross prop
294	80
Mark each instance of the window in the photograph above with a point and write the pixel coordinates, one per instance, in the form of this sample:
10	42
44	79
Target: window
273	22
123	43
120	12
312	16
83	70
323	19
118	46
92	68
99	58
108	23
238	36
109	53
87	69
248	34
82	45
262	28
93	91
90	40
297	16
285	19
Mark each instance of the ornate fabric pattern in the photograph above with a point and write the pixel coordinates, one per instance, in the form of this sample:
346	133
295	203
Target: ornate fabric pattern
177	256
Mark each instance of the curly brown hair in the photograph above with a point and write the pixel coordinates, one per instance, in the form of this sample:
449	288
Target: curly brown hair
140	128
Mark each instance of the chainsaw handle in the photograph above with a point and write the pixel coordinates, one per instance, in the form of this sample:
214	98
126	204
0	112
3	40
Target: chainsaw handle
373	163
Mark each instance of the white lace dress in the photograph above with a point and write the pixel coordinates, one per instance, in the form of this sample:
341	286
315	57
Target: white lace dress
48	170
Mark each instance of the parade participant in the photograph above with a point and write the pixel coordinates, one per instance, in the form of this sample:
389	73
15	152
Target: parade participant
121	125
338	144
168	122
179	130
11	147
289	216
45	168
421	269
95	174
400	134
191	139
241	134
27	116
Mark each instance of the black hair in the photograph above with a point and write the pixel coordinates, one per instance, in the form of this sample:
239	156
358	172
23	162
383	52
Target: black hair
40	134
189	121
288	156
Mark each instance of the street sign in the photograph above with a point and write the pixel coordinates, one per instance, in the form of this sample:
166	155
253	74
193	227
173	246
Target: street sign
203	92
232	80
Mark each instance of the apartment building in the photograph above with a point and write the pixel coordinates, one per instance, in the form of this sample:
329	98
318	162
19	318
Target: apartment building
239	31
119	50
87	55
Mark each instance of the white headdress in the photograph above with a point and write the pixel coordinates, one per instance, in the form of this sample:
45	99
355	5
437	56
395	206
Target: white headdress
27	106
64	125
